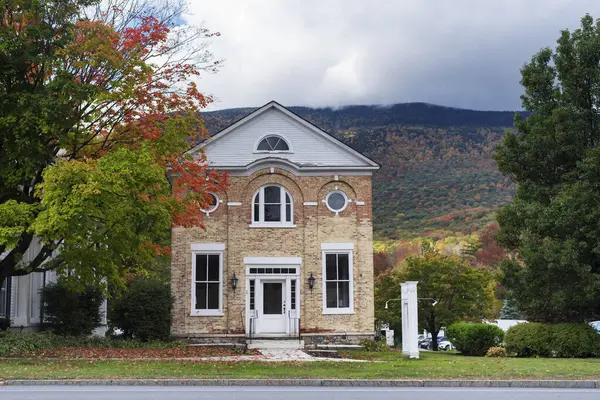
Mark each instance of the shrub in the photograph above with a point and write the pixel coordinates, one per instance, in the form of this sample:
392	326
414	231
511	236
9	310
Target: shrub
553	340
144	311
374	345
71	314
531	339
4	324
497	351
575	340
474	339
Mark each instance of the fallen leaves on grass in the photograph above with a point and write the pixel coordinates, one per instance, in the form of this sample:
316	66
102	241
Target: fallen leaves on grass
122	353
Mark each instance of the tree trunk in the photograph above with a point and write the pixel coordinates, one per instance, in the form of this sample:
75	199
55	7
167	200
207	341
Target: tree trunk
433	328
434	342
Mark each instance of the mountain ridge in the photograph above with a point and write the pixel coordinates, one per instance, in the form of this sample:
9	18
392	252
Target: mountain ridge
437	176
399	113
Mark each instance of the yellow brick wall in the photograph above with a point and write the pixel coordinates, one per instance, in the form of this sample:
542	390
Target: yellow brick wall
314	225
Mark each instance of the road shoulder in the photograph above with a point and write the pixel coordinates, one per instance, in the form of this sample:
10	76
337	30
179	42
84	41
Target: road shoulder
553	384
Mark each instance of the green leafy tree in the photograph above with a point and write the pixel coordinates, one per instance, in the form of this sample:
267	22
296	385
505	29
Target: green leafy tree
554	158
97	102
387	286
462	292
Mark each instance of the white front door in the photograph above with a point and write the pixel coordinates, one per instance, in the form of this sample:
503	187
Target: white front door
272	310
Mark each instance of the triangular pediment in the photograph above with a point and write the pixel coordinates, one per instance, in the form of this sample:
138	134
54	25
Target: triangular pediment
309	148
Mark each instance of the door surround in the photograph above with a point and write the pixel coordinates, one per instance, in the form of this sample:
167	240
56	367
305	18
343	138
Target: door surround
272	269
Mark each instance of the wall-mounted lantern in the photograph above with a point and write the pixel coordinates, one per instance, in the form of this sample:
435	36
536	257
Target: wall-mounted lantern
311	281
234	281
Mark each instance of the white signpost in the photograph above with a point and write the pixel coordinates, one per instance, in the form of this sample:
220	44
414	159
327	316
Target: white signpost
410	319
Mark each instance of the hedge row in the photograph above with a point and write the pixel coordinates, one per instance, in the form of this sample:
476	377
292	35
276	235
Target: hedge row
552	340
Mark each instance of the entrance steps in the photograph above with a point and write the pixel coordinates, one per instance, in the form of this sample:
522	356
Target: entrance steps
276	344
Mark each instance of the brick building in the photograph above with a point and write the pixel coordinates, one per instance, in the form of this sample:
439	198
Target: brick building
288	248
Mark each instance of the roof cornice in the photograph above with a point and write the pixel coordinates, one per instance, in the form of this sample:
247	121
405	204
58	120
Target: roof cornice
300	170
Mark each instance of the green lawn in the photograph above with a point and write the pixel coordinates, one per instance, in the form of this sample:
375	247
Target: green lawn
391	366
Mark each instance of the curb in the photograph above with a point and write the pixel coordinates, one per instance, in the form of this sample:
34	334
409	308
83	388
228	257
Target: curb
552	384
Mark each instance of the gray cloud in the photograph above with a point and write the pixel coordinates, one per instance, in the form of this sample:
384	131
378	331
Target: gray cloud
462	53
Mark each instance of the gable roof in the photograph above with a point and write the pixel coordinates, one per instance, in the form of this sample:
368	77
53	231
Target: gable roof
367	162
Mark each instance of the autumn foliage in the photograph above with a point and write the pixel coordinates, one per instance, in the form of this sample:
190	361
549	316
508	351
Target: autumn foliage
108	110
141	106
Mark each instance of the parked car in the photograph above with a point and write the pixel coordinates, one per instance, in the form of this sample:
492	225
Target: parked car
425	343
445	345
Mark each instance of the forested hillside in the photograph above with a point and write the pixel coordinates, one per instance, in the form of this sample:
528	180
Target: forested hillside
437	176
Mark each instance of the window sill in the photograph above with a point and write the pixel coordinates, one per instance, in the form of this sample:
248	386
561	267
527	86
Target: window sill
338	312
207	314
257	225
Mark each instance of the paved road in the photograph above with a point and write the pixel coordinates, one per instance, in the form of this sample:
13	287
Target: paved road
287	393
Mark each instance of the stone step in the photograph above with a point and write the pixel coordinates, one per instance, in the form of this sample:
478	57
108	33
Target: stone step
275	344
273	337
223	345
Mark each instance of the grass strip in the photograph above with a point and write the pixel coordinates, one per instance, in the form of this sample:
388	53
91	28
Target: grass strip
430	366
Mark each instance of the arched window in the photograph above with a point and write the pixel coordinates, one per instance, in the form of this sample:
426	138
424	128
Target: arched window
272	206
273	143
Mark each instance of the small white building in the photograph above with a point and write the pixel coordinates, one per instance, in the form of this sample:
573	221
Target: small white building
505	324
21	299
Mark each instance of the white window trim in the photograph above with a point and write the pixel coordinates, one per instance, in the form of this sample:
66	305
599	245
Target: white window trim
199	247
347	201
338	248
256	151
213	208
207	248
271	225
272	260
261	209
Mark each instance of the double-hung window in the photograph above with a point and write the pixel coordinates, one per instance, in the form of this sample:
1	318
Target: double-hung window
338	280
207	279
272	206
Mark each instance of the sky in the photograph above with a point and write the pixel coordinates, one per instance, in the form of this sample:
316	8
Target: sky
331	53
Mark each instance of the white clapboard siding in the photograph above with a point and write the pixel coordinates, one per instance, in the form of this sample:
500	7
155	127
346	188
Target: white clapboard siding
25	296
308	148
